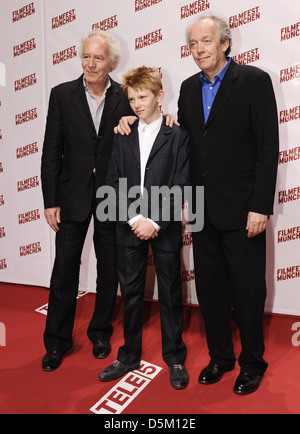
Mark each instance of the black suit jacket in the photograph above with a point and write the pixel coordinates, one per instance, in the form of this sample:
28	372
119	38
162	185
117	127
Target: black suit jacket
168	165
73	148
235	154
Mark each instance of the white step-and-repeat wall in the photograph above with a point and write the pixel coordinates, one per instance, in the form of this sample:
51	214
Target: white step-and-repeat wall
39	43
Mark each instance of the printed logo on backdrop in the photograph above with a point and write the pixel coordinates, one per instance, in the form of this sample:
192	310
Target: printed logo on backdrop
26	151
290	234
290	32
2	233
127	390
245	17
27	116
288	273
23	83
1	167
30	249
63	19
290	74
64	55
290	195
3	264
247	57
194	8
106	24
289	115
289	155
24	12
29	216
144	4
28	184
2	202
148	39
24	47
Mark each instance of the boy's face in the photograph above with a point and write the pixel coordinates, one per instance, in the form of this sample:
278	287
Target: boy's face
145	104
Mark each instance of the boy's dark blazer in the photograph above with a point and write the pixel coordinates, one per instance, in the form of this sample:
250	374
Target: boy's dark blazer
168	165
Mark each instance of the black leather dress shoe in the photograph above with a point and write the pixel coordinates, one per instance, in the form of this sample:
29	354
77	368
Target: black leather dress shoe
179	378
247	383
213	373
101	349
51	361
117	370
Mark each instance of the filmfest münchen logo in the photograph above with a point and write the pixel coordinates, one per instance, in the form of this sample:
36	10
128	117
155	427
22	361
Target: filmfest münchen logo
245	17
290	32
64	55
107	24
23	12
148	39
63	19
194	8
247	57
144	4
24	47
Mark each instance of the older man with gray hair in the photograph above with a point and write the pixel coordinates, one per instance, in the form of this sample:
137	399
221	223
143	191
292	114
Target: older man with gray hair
230	113
77	147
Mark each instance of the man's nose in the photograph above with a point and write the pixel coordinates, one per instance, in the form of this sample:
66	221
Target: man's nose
91	62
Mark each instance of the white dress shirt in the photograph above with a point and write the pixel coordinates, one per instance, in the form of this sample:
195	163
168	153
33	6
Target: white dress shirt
147	135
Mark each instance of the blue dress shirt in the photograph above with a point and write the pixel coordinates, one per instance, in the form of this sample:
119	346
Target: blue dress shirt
209	89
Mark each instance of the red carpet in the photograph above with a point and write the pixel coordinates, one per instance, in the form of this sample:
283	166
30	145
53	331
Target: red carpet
75	389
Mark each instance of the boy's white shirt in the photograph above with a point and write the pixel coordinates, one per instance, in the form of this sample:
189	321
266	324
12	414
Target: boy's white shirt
147	135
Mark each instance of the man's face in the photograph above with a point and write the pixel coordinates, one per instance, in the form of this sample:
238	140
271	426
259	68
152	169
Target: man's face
145	104
96	62
207	50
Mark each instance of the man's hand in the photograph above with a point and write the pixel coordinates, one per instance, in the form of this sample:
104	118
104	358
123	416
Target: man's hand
123	127
170	121
256	224
53	217
144	229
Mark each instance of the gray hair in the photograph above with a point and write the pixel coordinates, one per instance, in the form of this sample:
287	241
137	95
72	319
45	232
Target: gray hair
223	30
113	43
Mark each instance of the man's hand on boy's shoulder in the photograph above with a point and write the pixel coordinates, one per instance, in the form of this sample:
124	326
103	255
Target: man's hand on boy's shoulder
123	127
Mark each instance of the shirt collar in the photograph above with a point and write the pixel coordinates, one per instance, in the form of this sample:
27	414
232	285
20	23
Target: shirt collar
150	127
108	84
219	76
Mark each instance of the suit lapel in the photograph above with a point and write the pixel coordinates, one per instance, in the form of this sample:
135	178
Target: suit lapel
80	103
198	101
161	139
111	101
225	91
134	142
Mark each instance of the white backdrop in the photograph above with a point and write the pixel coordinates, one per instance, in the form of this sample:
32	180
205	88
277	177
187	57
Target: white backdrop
39	50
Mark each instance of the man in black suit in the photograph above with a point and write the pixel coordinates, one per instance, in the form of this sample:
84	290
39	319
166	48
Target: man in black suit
153	156
77	148
230	113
